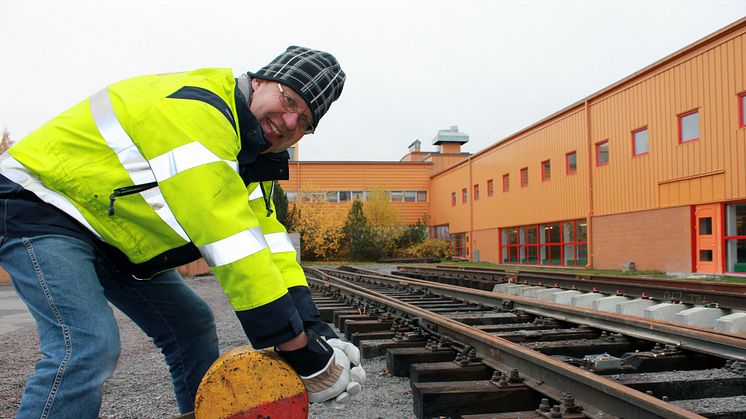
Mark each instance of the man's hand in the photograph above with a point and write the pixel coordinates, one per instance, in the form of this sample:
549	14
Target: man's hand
329	370
342	350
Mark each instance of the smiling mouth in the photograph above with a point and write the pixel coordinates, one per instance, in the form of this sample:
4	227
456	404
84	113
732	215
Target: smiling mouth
275	130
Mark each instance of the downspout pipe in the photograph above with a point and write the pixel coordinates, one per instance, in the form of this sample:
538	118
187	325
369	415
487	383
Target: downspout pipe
470	190
589	164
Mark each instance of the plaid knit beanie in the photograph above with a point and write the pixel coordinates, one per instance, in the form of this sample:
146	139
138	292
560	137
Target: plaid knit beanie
315	75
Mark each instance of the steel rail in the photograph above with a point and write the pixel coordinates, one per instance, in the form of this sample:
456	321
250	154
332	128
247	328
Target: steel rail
600	397
716	343
661	290
729	287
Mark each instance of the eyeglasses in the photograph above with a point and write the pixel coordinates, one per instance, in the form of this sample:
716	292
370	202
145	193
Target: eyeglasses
291	105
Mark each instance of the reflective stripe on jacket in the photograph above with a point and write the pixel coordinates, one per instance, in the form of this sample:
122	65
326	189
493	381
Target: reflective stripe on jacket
179	135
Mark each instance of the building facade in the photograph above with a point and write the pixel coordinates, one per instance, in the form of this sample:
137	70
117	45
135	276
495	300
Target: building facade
650	170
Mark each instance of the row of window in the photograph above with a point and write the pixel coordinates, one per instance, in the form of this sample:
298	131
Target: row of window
688	130
565	243
561	243
346	196
688	123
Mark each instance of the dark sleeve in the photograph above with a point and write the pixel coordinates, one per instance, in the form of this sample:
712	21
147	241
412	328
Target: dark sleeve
308	313
272	324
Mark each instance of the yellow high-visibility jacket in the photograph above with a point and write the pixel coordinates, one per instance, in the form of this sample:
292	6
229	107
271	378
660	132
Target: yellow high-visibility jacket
166	168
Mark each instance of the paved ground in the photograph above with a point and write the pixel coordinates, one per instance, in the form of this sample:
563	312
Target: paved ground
13	313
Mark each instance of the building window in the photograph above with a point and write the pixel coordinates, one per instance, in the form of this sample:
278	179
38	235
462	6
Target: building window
560	243
689	126
705	226
571	162
464	196
506	182
458	242
602	153
640	141
742	109
476	192
440	232
546	170
735	237
524	177
347	196
453	199
490	187
313	196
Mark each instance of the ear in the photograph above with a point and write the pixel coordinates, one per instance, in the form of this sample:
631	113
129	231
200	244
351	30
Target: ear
255	82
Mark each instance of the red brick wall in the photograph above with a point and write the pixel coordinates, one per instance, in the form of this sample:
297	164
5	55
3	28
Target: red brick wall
657	240
4	277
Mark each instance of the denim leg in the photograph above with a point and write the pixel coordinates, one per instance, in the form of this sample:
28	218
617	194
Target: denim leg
180	323
55	276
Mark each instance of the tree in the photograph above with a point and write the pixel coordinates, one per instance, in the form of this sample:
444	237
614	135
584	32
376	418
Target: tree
383	222
319	224
280	200
356	233
379	211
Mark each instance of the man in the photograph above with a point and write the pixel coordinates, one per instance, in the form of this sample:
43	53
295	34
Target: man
105	200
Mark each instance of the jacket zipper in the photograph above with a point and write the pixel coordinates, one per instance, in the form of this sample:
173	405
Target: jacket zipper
128	190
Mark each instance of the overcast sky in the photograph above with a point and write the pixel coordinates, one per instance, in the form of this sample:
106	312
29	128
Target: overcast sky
413	67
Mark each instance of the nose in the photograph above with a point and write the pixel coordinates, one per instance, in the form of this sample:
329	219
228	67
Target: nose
291	120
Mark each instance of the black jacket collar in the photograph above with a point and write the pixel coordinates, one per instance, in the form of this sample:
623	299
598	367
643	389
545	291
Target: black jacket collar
253	166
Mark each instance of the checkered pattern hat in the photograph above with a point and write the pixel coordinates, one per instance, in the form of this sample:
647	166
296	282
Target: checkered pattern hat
315	75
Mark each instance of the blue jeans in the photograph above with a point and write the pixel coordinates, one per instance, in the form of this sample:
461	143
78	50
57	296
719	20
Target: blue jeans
66	285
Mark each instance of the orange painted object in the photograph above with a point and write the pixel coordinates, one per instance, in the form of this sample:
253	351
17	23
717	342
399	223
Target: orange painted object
245	383
4	277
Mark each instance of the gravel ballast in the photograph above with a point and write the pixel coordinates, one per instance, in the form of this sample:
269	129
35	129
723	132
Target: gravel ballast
141	386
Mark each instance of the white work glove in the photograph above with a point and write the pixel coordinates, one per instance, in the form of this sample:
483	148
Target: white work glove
345	353
330	370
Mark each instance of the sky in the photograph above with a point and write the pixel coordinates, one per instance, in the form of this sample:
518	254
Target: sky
413	66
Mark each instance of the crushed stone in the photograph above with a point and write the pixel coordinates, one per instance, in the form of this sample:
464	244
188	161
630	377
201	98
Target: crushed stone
141	386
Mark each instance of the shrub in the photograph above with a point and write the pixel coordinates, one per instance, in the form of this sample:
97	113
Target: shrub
412	234
430	248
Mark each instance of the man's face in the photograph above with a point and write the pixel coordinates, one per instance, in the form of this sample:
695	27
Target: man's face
281	127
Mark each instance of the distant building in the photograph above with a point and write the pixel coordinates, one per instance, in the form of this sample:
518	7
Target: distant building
651	170
407	181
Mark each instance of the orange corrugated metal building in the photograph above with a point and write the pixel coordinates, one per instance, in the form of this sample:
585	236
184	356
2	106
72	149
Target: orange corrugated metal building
341	182
650	170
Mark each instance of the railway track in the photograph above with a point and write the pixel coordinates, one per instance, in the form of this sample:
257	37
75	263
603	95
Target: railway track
705	304
475	352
